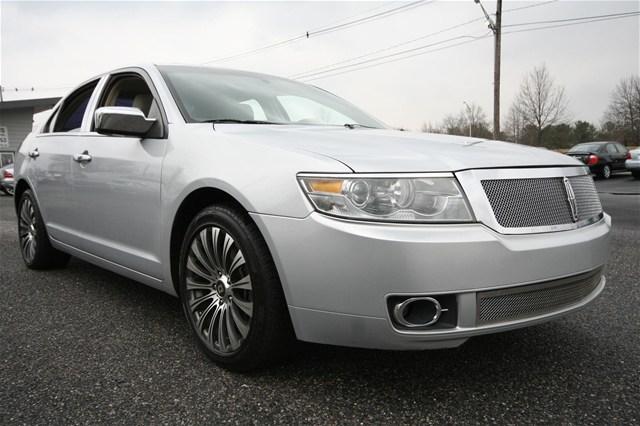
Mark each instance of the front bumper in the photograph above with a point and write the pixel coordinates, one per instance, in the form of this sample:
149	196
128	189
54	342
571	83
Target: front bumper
337	274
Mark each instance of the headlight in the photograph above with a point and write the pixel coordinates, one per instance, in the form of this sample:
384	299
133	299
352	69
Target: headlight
394	199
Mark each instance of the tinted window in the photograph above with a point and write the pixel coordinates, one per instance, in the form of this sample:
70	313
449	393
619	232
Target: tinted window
621	149
72	111
586	147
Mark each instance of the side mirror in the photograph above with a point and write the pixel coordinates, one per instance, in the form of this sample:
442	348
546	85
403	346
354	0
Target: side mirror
127	121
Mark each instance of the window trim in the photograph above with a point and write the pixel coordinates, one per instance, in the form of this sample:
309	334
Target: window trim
104	87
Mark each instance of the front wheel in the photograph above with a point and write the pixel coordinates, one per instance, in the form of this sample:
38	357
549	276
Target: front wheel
230	291
35	246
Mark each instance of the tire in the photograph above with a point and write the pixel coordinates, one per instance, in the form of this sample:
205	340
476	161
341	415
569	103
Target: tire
9	191
636	174
35	245
605	173
231	293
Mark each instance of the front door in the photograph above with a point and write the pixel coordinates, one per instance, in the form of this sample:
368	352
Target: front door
116	183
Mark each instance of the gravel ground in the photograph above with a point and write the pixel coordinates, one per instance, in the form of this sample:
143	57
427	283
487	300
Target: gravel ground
85	346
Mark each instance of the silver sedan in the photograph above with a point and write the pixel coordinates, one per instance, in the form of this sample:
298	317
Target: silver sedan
276	210
633	163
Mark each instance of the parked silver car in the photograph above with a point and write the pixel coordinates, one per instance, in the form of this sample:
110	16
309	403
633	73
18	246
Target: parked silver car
276	210
7	181
633	163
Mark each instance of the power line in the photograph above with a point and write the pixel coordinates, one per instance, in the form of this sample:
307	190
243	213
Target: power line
612	15
402	52
404	43
374	17
472	40
331	73
312	71
329	29
546	27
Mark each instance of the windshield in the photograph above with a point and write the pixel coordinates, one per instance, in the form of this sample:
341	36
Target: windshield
586	147
208	94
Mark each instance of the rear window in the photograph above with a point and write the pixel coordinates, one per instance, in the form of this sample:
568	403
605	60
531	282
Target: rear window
586	147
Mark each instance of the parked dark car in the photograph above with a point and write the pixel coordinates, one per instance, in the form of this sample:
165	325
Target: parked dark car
603	158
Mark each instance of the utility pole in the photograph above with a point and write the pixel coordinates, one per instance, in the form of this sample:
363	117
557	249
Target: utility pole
496	27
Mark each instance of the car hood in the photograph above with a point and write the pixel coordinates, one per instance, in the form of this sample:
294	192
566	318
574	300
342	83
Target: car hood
380	150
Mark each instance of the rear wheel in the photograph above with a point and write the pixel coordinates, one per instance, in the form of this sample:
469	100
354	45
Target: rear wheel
35	246
230	291
605	173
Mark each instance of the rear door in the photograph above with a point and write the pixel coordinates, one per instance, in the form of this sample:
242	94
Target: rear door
621	156
117	191
612	155
49	155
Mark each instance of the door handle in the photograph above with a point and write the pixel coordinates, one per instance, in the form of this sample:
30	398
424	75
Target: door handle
34	153
82	158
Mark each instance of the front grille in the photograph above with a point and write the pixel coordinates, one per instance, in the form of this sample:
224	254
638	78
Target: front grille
533	202
587	199
528	301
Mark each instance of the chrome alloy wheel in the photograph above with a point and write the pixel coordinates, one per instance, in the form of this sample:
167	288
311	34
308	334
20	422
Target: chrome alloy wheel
219	291
27	230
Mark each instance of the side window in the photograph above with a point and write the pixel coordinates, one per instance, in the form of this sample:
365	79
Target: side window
69	118
611	149
130	90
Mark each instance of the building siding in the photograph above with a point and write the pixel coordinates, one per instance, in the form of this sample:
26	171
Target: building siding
19	123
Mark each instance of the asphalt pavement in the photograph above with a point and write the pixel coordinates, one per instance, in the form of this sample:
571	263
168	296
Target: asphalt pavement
84	346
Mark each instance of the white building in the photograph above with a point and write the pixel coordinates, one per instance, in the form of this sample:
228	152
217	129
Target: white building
16	122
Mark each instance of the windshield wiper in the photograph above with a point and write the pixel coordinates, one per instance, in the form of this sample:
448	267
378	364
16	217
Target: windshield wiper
236	121
354	125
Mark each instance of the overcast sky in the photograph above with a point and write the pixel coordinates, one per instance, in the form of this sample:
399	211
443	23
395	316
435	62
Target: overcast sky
54	45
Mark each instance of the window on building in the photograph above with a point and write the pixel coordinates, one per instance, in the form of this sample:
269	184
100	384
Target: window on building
4	137
6	158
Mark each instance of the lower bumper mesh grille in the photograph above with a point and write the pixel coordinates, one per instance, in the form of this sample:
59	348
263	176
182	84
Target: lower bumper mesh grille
537	299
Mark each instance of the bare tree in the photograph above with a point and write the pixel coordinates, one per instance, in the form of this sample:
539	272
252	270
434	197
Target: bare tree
514	125
470	120
452	125
541	103
474	119
428	127
624	109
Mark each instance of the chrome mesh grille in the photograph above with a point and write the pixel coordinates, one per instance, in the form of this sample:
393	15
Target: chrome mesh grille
587	199
532	300
532	202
